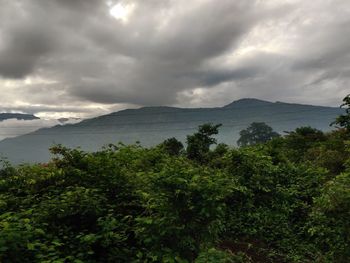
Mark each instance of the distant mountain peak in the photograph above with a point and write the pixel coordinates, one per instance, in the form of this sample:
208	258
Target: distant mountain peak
247	102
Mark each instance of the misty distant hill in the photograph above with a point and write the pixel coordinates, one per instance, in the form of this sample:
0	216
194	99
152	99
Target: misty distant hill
18	116
152	125
66	120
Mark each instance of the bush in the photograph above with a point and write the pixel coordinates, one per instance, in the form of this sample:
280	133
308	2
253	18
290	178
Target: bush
131	204
330	225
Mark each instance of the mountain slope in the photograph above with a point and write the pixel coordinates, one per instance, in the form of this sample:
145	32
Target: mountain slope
151	125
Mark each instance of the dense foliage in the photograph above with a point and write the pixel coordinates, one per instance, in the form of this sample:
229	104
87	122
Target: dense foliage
344	119
287	200
198	144
257	132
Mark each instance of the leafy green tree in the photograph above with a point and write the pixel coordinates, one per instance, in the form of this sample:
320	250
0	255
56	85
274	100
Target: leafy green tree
221	149
172	146
198	144
275	202
217	154
185	209
330	224
308	132
320	156
304	137
298	142
343	121
257	132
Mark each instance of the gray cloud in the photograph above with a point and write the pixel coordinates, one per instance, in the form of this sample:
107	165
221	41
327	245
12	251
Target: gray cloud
60	55
23	48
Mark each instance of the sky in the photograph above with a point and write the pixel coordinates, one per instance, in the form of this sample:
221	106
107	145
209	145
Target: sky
83	58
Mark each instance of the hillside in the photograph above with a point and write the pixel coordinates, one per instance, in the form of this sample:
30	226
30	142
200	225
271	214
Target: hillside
151	125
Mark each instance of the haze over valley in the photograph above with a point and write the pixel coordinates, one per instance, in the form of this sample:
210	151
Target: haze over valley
151	125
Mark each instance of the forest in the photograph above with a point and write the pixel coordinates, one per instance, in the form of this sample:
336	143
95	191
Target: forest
276	198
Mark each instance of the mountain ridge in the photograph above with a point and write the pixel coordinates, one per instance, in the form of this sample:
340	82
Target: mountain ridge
245	102
152	125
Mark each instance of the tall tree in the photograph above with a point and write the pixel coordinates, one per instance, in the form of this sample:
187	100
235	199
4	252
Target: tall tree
257	132
343	121
300	141
198	144
172	146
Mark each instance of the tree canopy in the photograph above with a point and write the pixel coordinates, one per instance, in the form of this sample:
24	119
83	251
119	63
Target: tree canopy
198	144
343	121
172	146
257	132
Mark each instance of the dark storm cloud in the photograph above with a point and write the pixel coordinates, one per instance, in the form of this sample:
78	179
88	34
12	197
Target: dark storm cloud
328	48
212	78
22	50
180	52
160	58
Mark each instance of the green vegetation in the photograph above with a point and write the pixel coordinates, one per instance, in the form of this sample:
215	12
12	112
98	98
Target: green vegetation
286	200
257	132
172	146
198	144
344	120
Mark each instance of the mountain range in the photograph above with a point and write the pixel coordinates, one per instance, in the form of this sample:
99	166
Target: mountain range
152	125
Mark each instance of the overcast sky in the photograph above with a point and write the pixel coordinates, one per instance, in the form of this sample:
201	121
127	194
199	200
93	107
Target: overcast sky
83	58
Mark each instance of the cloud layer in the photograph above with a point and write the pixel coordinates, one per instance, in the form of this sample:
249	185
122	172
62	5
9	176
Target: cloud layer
13	127
76	57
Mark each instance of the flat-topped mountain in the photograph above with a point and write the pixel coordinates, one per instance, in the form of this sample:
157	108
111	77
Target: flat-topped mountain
18	116
152	125
248	102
